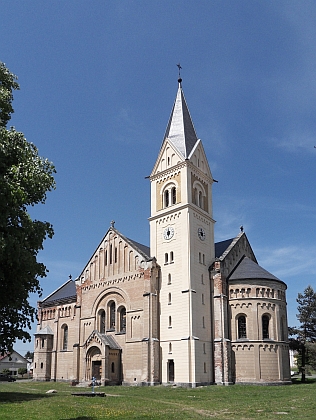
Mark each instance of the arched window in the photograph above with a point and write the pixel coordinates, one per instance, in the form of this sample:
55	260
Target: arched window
169	195
166	258
123	320
169	278
167	198
170	347
265	326
111	254
170	322
65	337
102	321
106	257
173	195
242	327
199	195
112	316
169	299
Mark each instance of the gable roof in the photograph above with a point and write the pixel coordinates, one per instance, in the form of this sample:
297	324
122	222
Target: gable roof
180	129
143	249
220	247
248	269
107	340
66	293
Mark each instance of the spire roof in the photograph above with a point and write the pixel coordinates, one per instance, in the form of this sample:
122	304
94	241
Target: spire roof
180	129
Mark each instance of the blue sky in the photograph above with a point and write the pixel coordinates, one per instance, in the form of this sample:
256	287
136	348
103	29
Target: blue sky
98	80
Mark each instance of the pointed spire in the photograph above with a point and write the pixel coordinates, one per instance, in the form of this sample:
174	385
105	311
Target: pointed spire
180	129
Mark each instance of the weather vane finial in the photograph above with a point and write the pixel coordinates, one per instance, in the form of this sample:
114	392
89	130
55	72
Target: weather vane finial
179	67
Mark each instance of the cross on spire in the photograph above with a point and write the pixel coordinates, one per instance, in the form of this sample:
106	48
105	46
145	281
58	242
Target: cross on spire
179	67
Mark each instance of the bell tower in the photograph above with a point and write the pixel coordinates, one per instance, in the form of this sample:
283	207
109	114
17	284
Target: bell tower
182	240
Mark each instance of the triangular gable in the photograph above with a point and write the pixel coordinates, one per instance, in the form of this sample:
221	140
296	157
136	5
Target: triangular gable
142	251
241	243
199	159
161	162
103	339
9	357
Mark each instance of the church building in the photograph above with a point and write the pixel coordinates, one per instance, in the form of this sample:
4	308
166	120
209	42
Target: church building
186	310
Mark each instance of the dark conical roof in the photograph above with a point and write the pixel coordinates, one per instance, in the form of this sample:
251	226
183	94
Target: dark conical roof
248	269
180	129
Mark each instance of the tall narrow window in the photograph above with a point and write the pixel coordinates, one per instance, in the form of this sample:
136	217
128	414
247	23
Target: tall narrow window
170	348
106	257
171	256
170	322
202	299
111	254
242	330
123	320
265	326
167	198
174	195
166	258
112	316
203	322
169	299
102	322
65	337
115	255
169	278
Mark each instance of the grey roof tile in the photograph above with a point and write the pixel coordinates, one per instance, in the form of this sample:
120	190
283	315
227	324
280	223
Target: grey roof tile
45	331
180	129
248	269
65	293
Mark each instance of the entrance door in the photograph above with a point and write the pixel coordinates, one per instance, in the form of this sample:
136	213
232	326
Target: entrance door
96	370
170	371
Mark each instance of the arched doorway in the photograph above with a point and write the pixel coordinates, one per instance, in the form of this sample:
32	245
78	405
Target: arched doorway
94	363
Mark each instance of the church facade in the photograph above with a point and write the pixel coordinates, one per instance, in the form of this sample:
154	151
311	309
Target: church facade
185	311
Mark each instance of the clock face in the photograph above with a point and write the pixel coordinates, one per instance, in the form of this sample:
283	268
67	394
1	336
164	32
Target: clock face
201	234
168	232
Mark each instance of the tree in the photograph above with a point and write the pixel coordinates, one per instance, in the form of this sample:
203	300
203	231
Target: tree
22	371
25	178
304	337
29	355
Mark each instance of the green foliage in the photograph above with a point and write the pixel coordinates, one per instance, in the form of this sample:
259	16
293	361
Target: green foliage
303	337
22	371
29	355
6	372
25	178
7	84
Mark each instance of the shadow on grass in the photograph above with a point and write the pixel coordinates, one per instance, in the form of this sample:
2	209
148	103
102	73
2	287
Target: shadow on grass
80	418
297	381
13	397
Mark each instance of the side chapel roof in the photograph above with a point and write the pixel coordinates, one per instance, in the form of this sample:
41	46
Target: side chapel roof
66	293
248	269
180	129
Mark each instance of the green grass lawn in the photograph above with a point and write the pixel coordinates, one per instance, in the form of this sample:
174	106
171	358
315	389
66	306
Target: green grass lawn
28	400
